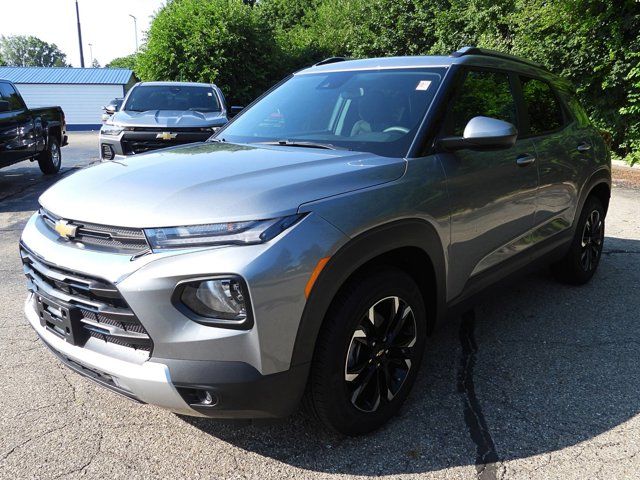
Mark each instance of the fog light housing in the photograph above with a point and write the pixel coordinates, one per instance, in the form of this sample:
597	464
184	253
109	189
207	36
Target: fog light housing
199	398
107	151
217	301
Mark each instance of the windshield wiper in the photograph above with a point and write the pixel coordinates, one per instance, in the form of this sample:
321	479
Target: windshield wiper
295	143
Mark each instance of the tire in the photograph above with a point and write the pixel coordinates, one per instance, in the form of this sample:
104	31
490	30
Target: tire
353	360
50	159
581	262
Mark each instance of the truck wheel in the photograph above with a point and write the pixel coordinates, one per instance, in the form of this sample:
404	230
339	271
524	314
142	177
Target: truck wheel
368	352
51	158
582	260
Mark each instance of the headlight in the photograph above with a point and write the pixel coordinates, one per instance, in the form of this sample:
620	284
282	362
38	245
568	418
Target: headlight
219	300
111	130
235	233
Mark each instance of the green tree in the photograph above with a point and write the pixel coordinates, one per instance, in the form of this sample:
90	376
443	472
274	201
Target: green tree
631	114
285	14
221	41
128	62
359	28
29	51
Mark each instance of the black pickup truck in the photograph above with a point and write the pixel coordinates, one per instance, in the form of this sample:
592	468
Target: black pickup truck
30	134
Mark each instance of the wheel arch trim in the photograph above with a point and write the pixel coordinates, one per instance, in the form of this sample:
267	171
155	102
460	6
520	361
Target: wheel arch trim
601	176
355	254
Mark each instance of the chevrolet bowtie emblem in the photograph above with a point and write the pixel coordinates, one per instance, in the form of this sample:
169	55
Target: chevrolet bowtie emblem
65	229
166	135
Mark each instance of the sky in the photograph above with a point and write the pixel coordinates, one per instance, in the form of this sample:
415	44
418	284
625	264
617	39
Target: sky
105	24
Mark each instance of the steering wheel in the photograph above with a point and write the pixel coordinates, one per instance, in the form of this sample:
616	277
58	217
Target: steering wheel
397	128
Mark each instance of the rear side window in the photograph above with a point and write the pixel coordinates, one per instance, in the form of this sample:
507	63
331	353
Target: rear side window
543	108
482	93
578	112
9	94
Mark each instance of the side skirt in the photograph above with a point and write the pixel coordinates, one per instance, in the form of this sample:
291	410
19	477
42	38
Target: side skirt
532	259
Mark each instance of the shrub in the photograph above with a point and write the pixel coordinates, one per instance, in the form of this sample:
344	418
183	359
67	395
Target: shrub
217	41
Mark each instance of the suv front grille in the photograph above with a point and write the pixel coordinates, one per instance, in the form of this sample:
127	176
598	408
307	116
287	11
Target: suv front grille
172	129
104	312
102	237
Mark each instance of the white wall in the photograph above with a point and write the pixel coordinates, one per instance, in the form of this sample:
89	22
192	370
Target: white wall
82	104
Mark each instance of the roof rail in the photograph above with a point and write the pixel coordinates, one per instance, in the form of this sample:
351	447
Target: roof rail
329	60
495	54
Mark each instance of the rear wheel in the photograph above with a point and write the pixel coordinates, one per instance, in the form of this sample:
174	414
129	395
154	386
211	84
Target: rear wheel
50	159
368	352
582	260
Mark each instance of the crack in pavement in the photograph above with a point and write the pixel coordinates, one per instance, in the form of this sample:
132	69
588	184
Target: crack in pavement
40	436
486	455
82	469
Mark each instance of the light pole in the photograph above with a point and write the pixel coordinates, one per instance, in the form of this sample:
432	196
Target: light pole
91	53
79	35
135	29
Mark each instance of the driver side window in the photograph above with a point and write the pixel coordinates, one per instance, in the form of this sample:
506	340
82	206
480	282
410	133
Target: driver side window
482	93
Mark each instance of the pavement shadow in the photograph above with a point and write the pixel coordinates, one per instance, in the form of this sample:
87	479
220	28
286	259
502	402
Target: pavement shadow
539	367
21	187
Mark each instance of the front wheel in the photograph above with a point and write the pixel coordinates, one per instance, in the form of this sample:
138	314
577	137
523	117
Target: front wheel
582	260
50	159
368	352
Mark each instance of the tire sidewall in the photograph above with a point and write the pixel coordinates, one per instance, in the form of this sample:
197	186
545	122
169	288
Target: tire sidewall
45	160
340	412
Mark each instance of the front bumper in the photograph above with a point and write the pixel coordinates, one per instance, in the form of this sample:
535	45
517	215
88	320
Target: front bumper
249	371
240	391
148	382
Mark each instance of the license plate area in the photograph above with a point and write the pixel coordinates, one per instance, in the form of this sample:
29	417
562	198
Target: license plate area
63	321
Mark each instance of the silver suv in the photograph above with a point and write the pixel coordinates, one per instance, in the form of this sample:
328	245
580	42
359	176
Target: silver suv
156	115
313	244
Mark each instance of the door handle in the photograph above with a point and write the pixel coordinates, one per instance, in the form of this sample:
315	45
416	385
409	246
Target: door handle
525	159
584	147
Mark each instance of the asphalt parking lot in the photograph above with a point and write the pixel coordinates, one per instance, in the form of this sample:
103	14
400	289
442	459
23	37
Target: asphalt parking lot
542	382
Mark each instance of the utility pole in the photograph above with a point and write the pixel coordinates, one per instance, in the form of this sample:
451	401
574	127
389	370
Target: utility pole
79	35
91	53
135	29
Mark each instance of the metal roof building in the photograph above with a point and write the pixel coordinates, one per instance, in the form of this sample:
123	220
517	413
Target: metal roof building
81	92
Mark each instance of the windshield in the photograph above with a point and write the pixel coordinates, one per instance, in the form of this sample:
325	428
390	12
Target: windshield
172	97
371	111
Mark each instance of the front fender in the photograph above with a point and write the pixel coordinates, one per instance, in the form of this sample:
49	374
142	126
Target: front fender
354	254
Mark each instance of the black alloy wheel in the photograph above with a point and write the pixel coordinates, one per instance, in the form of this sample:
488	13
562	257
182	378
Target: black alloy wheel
592	240
584	255
379	355
368	351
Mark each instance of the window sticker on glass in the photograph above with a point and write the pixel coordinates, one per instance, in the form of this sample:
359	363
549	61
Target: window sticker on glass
423	84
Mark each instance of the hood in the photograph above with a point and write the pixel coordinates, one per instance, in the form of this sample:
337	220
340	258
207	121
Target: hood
213	182
168	119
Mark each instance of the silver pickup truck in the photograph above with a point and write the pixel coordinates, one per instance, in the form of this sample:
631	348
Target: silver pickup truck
162	114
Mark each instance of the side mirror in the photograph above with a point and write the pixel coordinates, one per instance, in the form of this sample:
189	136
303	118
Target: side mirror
483	133
4	106
234	110
113	106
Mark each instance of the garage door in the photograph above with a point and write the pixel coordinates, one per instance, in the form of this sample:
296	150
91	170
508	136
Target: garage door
82	104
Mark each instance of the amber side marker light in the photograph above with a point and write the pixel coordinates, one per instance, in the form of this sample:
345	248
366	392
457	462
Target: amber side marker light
314	275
